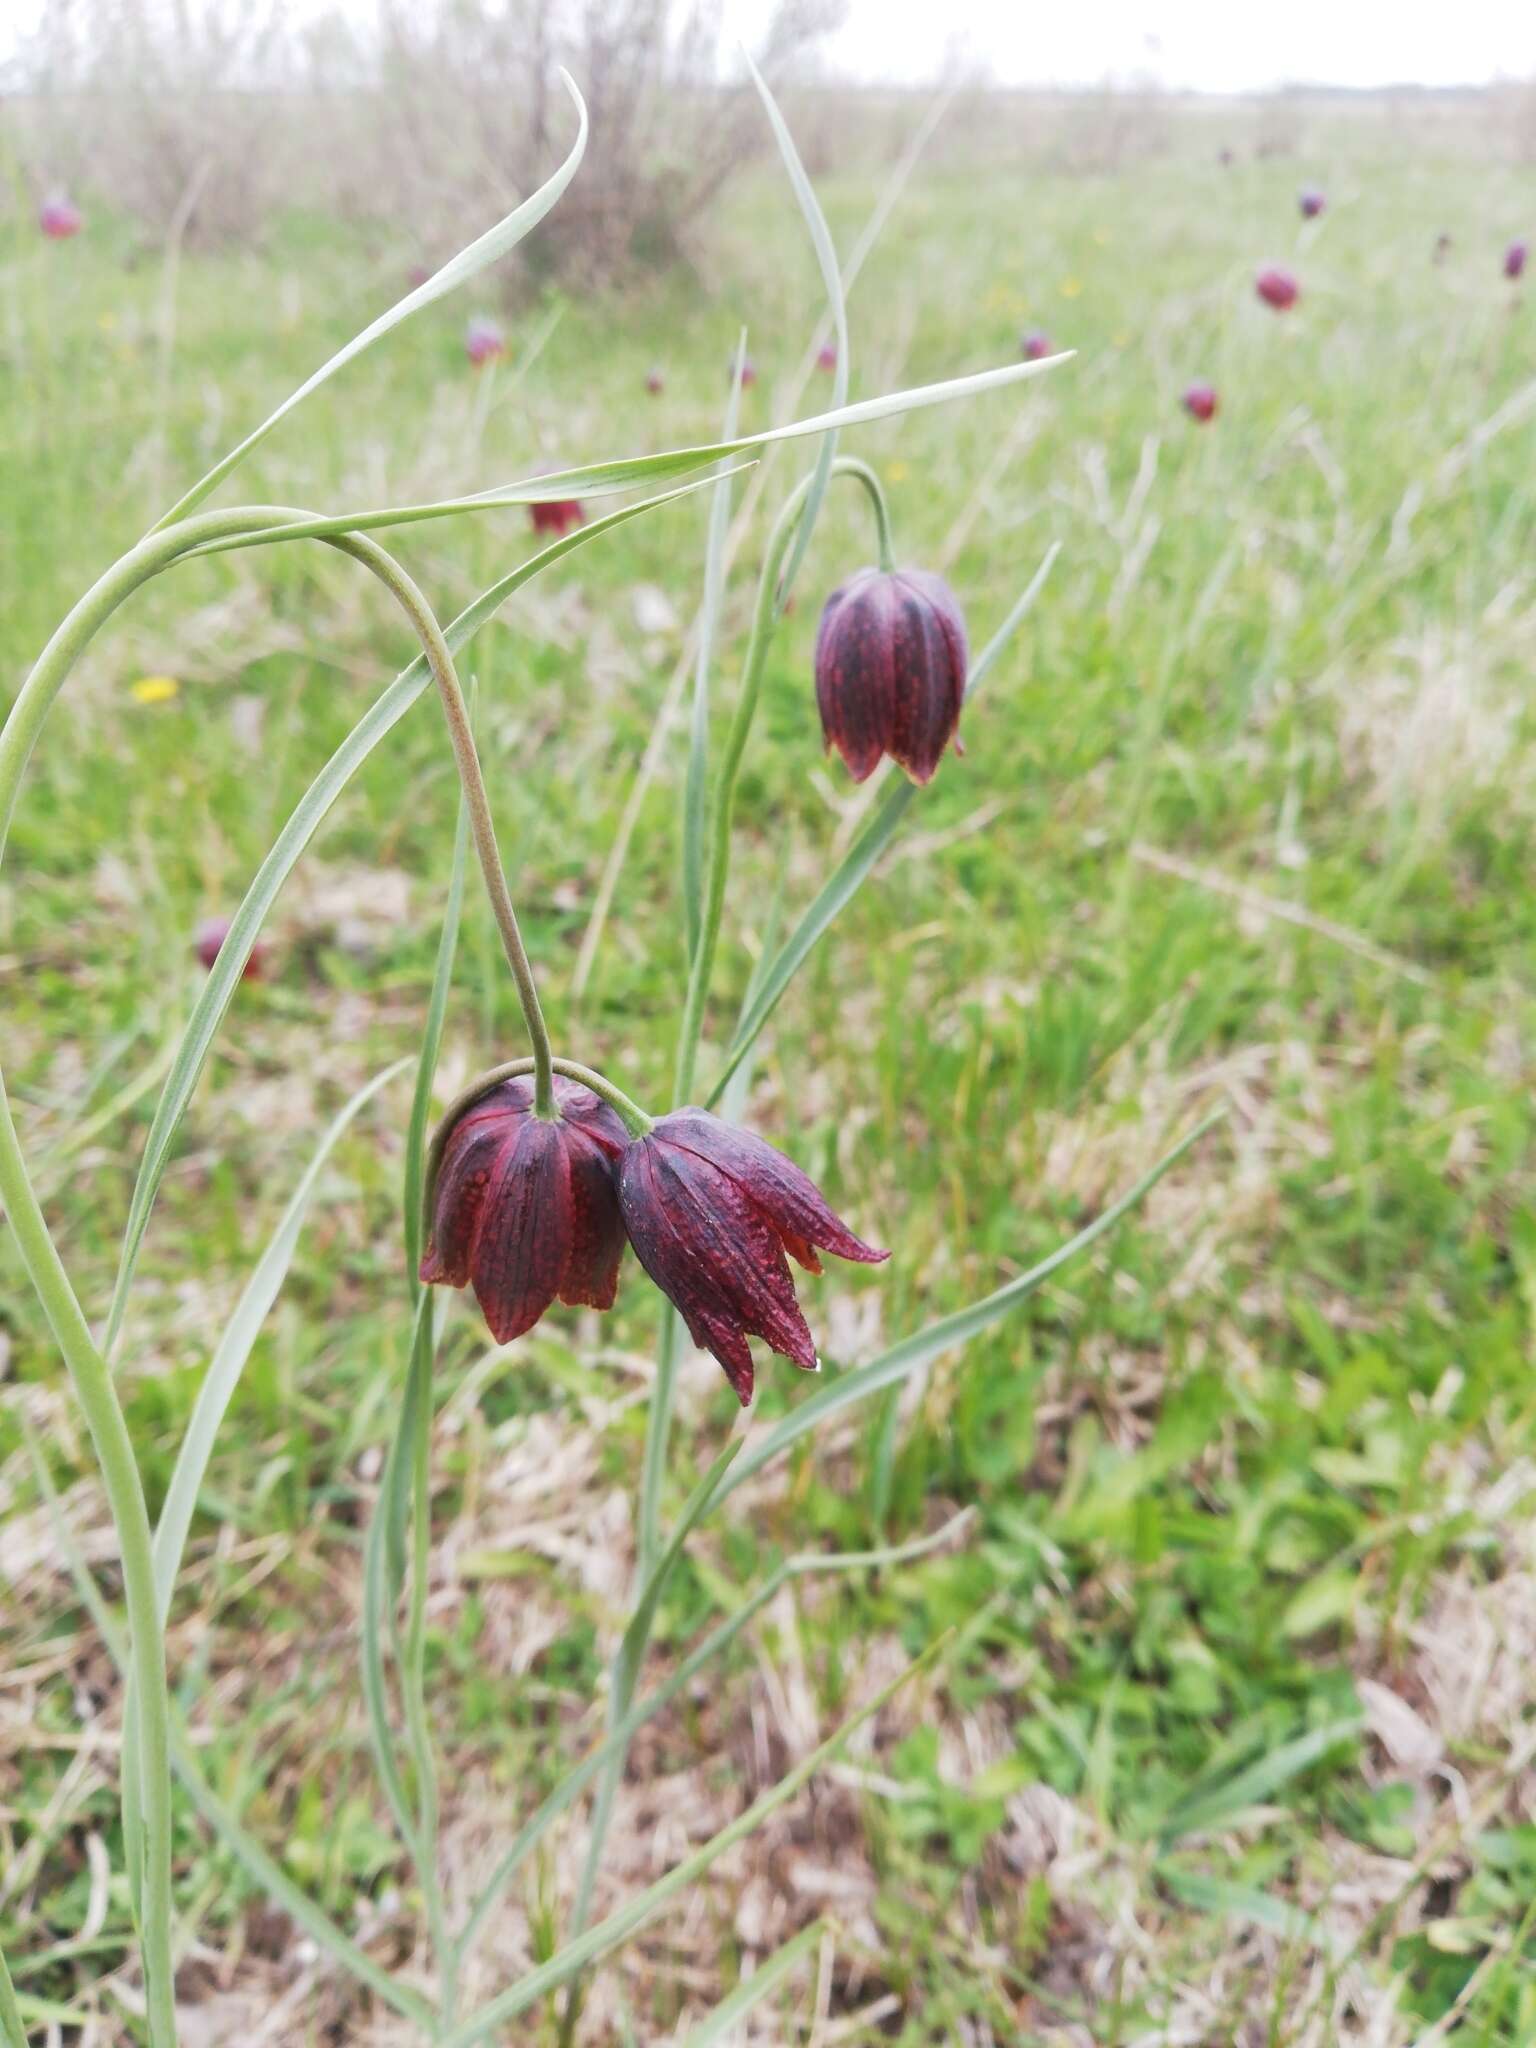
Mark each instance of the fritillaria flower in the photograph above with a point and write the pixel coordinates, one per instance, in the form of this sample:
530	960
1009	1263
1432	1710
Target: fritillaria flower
1200	402
1514	259
525	1209
1277	288
59	218
655	383
208	943
711	1210
557	516
1034	345
826	356
890	670
484	342
748	372
1311	202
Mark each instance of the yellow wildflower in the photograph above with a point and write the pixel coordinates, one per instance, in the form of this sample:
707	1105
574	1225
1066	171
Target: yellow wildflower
154	689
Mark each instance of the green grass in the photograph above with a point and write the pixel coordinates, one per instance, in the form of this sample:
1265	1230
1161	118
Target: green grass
1267	1459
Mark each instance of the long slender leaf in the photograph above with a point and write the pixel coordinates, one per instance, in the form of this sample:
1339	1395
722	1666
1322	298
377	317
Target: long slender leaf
494	243
431	1045
838	891
1244	1903
916	1351
599	479
831	277
576	1780
234	1348
1258	1783
12	2032
576	1955
214	998
766	1978
269	1875
709	615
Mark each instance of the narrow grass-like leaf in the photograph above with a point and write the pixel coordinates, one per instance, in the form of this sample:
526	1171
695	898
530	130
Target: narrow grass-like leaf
766	1978
576	1780
575	1956
913	1352
838	891
234	1348
267	1873
431	1045
1241	1902
1257	1784
831	277
709	616
494	243
224	976
599	479
12	2032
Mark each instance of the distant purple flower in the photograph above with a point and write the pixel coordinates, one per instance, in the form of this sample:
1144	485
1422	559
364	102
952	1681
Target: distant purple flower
1200	402
208	943
484	342
557	516
748	372
826	356
418	274
655	383
1277	288
1225	158
1514	259
59	218
1034	345
1311	202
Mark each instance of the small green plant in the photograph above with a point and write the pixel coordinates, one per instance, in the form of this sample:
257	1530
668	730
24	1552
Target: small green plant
539	1173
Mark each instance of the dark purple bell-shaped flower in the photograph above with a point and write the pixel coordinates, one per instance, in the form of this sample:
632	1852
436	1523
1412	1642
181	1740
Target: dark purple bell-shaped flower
1277	288
1034	345
1311	202
1514	259
890	670
526	1209
711	1210
60	218
1200	402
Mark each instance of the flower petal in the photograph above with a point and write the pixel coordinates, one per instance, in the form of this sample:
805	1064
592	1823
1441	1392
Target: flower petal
523	1244
591	1275
855	676
788	1198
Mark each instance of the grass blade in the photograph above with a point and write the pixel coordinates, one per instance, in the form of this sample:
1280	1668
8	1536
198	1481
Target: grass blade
12	2032
431	1045
709	615
214	998
766	1978
576	1955
234	1348
831	277
600	479
494	243
1257	1784
839	891
913	1352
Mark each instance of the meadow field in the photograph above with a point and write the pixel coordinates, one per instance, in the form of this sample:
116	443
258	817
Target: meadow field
1233	1737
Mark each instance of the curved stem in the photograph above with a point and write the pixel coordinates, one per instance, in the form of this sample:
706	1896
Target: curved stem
462	739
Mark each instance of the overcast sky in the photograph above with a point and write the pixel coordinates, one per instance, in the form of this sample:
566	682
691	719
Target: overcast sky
1210	45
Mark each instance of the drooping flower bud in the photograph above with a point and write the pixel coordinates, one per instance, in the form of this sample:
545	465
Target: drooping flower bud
748	371
1277	288
890	670
711	1210
59	218
484	342
826	356
1311	202
525	1209
557	515
1514	259
1200	402
208	943
1034	345
655	383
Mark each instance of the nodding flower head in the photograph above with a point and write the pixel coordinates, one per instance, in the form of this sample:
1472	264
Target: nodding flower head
1514	259
748	371
1200	402
1035	344
1277	288
484	342
655	383
1311	202
890	670
711	1210
525	1209
826	356
208	943
557	515
59	218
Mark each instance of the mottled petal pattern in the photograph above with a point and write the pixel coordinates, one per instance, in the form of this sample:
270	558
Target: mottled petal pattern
890	670
711	1211
527	1210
